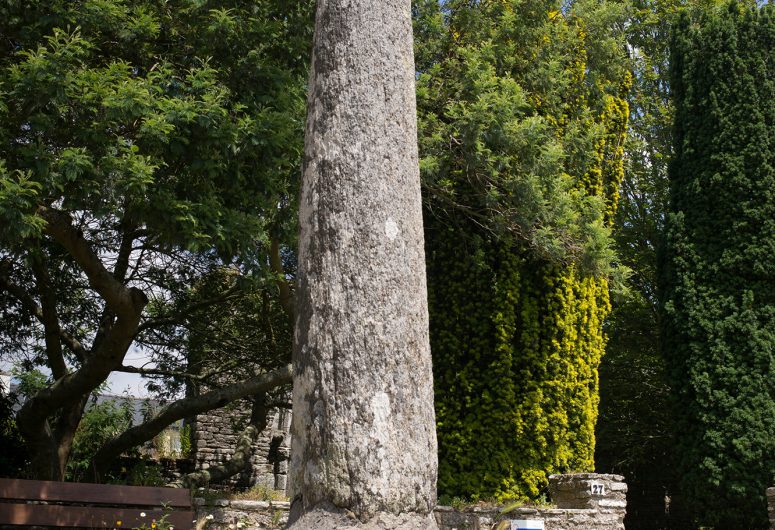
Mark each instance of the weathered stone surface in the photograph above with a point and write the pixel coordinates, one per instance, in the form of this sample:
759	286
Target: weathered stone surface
588	490
327	516
250	505
363	426
553	519
233	518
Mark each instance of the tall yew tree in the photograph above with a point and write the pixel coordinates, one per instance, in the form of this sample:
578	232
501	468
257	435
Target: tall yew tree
522	122
718	271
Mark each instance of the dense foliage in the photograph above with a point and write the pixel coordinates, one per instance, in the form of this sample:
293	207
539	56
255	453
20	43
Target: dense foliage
101	421
634	427
718	272
146	148
14	457
149	152
522	120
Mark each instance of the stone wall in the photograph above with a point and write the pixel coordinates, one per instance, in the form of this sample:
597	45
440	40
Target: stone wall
223	514
605	493
214	436
771	506
584	502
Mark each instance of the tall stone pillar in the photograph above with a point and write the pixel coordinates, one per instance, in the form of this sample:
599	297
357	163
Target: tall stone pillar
363	432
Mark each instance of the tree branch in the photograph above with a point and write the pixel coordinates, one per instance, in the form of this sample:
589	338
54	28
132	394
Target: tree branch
126	303
180	316
30	305
49	318
286	300
66	426
128	236
158	371
121	299
183	408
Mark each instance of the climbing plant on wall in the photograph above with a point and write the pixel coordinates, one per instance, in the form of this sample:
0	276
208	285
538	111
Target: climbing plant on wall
522	120
719	305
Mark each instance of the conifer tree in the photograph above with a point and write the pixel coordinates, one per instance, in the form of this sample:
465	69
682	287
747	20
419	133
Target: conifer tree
522	120
718	272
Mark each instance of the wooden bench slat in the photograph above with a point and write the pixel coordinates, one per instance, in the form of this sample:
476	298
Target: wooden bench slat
19	489
68	516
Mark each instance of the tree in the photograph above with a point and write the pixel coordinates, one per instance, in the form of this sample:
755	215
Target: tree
145	148
363	448
718	302
522	122
634	435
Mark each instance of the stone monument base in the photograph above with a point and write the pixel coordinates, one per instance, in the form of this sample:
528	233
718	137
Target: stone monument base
332	518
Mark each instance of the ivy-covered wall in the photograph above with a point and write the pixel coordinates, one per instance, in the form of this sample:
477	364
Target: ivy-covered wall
522	122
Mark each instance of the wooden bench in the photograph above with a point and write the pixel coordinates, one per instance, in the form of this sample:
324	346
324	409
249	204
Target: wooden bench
66	504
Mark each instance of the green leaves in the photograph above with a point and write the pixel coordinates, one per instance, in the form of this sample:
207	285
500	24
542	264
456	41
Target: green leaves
520	161
73	162
101	422
167	139
106	126
223	22
718	273
505	145
18	200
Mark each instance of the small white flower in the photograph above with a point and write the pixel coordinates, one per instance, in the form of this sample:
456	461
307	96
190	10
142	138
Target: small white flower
210	517
142	514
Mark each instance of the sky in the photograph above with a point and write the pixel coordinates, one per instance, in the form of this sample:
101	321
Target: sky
131	383
118	383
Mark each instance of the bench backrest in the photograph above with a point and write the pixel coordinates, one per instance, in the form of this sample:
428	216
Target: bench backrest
65	504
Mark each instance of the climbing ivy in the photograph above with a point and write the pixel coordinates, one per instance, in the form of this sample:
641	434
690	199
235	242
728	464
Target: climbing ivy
522	120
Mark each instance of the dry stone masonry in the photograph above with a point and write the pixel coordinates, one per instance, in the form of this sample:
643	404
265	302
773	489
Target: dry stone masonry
605	493
222	513
584	501
214	438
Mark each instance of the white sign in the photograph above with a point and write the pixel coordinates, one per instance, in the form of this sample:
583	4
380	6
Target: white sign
526	524
596	488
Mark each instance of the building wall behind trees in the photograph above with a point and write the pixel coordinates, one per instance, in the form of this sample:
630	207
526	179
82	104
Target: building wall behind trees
214	437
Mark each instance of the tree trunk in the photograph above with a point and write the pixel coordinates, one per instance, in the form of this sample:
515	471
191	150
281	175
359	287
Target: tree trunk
364	443
43	450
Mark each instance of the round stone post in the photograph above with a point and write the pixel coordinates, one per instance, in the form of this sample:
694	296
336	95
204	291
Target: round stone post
363	448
